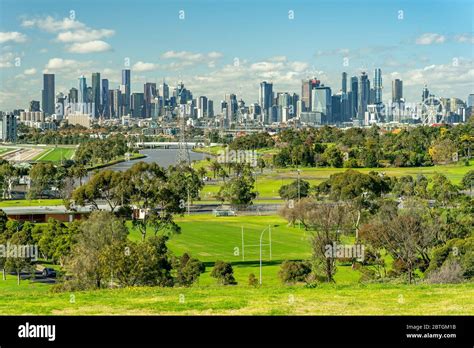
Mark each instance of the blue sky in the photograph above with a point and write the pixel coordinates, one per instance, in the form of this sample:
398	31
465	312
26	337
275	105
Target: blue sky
230	46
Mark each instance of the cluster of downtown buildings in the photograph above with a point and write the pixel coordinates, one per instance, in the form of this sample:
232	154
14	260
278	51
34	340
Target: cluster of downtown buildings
358	102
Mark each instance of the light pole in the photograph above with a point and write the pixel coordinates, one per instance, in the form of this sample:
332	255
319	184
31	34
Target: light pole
270	237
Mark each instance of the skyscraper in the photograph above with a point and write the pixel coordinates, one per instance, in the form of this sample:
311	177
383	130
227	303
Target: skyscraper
73	95
354	101
344	83
82	97
307	86
378	86
105	98
48	94
126	83
397	90
321	102
266	95
165	91
425	94
137	101
149	95
96	94
364	94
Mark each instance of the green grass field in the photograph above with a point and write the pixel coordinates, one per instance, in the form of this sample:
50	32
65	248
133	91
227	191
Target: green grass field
56	154
30	203
211	238
269	183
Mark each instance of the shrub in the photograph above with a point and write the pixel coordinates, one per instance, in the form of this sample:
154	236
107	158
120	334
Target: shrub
451	272
224	273
294	271
188	269
253	281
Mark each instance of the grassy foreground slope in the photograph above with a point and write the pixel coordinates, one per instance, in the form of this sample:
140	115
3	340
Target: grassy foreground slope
209	239
327	299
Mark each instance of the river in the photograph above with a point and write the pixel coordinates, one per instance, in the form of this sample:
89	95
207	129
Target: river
164	157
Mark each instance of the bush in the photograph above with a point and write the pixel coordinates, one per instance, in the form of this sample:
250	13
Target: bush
224	273
294	271
188	269
253	281
459	250
450	273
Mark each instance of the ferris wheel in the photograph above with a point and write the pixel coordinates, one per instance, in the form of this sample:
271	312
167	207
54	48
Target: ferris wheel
432	111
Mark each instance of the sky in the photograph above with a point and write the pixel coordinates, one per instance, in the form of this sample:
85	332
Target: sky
229	46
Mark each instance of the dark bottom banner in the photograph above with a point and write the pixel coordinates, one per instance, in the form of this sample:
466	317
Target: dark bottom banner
166	331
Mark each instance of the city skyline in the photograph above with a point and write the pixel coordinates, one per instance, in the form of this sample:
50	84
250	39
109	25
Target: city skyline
82	42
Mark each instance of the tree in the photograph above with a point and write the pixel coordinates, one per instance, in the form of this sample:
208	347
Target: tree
224	273
238	191
45	177
215	167
100	230
406	235
333	157
261	164
467	181
17	262
295	190
442	189
8	176
442	151
187	269
105	185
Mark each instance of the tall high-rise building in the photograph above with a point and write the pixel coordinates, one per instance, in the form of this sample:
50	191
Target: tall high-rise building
364	95
354	101
149	93
265	97
165	91
344	83
82	97
137	104
126	82
231	107
306	87
378	86
73	95
105	103
322	102
425	93
34	105
117	103
470	100
96	94
397	90
48	94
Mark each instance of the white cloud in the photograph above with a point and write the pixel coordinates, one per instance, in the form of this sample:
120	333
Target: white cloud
89	47
13	36
142	66
464	38
6	60
31	71
84	35
191	56
430	38
60	64
51	25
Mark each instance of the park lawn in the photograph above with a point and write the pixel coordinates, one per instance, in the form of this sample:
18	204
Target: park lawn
30	203
4	150
210	238
269	182
269	299
56	154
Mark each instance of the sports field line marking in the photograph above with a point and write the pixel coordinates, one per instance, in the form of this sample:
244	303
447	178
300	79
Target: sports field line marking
43	155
